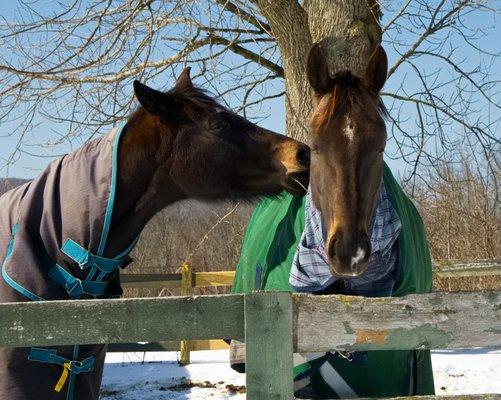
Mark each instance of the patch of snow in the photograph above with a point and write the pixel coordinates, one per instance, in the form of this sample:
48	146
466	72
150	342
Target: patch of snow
467	371
157	375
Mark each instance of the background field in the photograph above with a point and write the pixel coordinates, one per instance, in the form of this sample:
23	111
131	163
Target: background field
461	215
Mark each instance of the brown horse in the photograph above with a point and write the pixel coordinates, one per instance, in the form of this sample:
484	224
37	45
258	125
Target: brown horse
347	141
183	144
66	234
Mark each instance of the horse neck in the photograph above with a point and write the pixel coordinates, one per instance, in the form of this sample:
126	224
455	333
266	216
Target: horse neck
143	184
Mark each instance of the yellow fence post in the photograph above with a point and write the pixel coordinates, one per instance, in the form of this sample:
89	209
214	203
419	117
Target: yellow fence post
186	290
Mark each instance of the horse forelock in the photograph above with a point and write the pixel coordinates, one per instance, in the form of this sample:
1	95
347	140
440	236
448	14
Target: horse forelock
343	95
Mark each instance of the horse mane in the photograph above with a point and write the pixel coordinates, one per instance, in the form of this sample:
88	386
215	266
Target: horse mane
197	97
193	95
346	91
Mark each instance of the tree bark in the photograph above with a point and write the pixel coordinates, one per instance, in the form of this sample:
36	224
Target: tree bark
348	31
289	24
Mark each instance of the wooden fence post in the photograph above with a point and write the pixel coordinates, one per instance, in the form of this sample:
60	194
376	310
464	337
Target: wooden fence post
268	340
186	290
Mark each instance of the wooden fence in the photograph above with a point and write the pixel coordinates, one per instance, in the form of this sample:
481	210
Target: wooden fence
225	278
193	279
273	325
189	280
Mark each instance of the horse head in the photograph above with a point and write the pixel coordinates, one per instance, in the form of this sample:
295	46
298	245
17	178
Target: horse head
347	140
214	153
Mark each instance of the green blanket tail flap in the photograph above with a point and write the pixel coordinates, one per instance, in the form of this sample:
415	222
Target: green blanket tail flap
268	249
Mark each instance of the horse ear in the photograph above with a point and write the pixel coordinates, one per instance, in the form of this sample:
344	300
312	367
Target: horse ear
184	80
377	70
317	70
154	101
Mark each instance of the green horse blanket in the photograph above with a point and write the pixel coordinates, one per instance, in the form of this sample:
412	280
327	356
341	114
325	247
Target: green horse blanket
269	245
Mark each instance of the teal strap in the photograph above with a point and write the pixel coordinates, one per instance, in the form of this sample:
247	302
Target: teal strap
92	273
50	356
71	383
101	276
93	284
76	287
86	259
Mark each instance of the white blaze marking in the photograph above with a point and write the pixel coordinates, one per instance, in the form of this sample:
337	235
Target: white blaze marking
358	257
348	130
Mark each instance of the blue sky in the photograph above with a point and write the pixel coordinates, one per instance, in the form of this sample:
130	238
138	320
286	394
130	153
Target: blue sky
28	166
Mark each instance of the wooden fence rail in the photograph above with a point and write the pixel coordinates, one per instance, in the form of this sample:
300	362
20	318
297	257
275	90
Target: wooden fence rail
189	280
225	278
273	324
435	320
461	269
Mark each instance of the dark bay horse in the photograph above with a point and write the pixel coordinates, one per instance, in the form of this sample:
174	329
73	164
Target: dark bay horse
66	234
183	144
347	138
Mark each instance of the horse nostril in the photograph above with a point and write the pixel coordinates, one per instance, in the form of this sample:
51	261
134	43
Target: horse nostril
331	248
303	155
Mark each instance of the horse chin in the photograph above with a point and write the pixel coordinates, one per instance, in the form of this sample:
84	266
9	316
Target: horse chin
297	183
346	273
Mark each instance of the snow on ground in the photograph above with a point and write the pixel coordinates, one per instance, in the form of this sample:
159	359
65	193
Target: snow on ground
157	376
468	371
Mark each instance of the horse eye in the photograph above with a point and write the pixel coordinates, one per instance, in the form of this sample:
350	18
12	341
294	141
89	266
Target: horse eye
218	125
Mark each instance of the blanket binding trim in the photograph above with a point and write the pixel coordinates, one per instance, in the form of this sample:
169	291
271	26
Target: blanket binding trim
111	199
11	282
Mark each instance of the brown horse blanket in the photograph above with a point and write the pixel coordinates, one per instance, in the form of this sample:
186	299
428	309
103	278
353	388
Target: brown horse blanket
53	234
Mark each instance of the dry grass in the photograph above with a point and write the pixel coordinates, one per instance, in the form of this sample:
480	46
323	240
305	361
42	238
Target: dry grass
461	212
466	284
208	236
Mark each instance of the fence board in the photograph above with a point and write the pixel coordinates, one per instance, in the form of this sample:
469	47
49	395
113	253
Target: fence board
268	332
200	279
150	280
468	269
214	278
121	321
436	320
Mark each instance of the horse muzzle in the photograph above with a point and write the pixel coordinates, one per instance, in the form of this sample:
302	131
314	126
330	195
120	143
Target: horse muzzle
348	256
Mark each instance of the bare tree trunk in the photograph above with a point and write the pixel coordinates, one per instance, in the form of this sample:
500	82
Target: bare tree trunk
289	23
348	30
